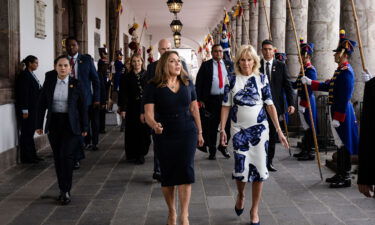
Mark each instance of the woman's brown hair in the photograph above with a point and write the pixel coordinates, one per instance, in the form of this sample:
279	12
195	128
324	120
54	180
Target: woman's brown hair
162	71
136	55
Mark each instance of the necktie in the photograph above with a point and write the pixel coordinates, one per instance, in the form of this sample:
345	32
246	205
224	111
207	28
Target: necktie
268	70
220	73
72	66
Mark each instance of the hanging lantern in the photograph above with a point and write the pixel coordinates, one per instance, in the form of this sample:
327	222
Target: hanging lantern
174	6
176	25
176	35
177	43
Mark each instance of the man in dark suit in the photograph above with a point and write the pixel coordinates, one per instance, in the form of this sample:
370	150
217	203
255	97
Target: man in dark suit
210	89
27	93
84	70
279	79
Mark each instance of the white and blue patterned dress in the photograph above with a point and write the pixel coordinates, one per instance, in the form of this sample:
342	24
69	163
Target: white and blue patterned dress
249	127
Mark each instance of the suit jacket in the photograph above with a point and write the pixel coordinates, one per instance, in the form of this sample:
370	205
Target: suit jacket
88	78
366	153
102	74
203	83
280	84
27	92
77	110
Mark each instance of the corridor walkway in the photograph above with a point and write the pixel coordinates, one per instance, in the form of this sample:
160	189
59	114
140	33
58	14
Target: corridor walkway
108	190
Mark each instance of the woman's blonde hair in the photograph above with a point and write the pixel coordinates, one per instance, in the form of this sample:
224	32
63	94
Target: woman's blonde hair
162	71
247	50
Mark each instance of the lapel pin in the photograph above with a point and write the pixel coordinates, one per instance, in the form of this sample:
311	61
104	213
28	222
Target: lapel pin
71	86
80	61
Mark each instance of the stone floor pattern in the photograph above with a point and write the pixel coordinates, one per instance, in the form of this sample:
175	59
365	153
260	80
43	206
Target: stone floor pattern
108	190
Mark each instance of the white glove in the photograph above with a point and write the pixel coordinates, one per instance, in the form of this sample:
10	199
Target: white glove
366	76
305	80
335	123
301	109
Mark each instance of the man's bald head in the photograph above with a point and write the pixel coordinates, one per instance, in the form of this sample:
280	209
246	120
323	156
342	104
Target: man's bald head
163	46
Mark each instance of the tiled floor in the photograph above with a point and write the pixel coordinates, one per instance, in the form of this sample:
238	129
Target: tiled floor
108	190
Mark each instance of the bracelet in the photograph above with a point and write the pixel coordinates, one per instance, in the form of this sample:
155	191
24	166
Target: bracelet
222	131
200	132
278	129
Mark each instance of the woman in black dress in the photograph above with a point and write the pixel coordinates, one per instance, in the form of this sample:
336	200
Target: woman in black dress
171	110
137	133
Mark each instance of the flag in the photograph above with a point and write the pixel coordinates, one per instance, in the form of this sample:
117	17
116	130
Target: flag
119	8
145	24
226	17
238	11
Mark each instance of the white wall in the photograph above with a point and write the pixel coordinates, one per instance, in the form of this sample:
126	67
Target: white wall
43	49
96	9
8	131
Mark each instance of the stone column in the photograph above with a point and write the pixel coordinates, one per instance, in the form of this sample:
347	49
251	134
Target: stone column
239	31
299	9
233	29
245	22
365	12
80	24
263	31
253	24
323	31
278	24
10	49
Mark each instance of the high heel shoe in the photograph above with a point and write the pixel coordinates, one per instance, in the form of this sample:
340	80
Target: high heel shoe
238	211
258	223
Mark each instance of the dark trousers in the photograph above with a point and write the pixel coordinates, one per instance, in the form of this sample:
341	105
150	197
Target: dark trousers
272	141
93	134
213	108
27	145
102	113
343	161
63	143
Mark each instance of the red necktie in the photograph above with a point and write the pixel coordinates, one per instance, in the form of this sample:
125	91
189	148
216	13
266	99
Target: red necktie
72	66
220	73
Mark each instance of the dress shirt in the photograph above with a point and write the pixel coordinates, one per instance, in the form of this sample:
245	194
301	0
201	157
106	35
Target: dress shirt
25	111
215	90
60	96
75	64
265	67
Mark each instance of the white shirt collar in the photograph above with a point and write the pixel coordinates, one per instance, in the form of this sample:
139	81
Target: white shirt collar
65	81
74	57
265	61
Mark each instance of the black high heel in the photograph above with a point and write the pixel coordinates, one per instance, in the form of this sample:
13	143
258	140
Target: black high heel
238	211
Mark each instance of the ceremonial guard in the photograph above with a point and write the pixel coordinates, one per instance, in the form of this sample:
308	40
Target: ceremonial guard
307	50
342	118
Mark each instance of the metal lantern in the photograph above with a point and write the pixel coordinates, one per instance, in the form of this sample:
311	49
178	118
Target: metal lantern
177	43
174	6
176	35
176	25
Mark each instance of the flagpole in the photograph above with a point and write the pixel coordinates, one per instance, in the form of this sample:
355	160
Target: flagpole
306	92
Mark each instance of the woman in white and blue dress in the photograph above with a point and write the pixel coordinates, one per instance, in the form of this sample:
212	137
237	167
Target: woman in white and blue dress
248	95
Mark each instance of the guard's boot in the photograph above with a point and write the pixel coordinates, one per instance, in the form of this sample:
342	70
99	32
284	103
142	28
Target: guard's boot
307	156
333	179
343	181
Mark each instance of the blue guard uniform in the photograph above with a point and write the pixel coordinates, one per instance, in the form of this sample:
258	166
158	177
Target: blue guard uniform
307	49
340	88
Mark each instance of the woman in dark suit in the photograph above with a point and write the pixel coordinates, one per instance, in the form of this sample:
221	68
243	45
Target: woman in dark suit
27	94
137	133
171	110
67	119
